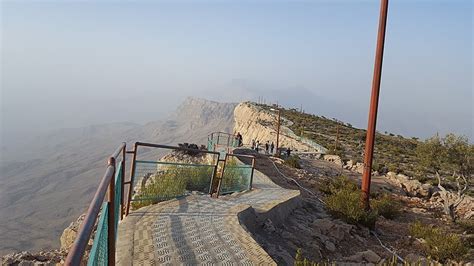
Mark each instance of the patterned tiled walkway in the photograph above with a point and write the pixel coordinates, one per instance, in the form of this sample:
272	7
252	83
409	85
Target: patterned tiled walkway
198	230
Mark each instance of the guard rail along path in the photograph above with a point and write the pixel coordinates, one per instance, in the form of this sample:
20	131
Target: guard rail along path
180	206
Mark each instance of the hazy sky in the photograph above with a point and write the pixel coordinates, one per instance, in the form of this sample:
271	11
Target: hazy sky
75	63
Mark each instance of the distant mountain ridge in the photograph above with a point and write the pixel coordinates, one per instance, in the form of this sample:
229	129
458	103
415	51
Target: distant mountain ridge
49	182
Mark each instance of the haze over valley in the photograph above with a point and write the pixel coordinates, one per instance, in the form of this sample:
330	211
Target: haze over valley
50	182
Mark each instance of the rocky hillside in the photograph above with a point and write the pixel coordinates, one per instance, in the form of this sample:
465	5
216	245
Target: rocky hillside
260	124
396	153
49	182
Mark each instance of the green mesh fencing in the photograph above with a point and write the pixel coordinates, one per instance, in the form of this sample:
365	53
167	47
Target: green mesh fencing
222	150
98	255
210	145
219	139
159	181
236	177
118	196
307	141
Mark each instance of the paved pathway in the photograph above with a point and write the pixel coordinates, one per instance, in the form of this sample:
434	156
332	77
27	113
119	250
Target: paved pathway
198	229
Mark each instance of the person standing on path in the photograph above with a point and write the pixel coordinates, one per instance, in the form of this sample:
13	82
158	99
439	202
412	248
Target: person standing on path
253	144
256	146
272	146
239	139
267	147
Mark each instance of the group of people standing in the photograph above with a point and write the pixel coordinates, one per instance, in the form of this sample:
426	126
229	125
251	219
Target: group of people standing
269	147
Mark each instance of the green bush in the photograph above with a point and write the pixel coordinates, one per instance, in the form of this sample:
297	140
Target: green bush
386	206
344	203
173	182
302	261
466	225
330	186
391	167
293	161
439	245
236	177
198	178
164	186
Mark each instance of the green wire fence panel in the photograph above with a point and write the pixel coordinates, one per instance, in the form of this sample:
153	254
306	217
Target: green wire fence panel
118	196
210	145
222	150
236	177
98	255
159	181
221	139
308	142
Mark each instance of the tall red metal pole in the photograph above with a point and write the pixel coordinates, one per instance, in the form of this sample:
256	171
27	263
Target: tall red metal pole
374	101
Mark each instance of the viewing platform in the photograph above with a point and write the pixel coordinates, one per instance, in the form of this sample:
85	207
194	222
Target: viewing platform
199	229
181	205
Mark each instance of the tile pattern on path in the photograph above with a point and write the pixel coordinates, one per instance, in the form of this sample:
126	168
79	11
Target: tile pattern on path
198	230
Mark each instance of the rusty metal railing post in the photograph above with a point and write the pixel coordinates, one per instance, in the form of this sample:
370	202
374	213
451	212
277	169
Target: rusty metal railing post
132	174
111	217
222	175
214	175
251	175
122	183
374	101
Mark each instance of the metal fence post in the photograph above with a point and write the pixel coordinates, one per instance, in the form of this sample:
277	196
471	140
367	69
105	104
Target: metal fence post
132	174
111	217
222	175
214	174
251	175
122	184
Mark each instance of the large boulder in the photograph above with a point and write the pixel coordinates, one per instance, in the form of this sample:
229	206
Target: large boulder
69	234
186	157
411	187
352	166
358	167
334	159
331	232
367	256
46	258
465	209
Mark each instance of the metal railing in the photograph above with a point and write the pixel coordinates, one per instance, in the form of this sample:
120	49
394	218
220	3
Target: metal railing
235	174
152	181
222	142
103	248
221	139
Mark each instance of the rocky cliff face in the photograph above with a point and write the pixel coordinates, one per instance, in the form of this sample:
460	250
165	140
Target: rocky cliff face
254	122
62	169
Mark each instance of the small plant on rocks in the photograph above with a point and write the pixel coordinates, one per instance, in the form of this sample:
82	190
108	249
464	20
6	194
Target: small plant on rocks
343	201
439	245
293	161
